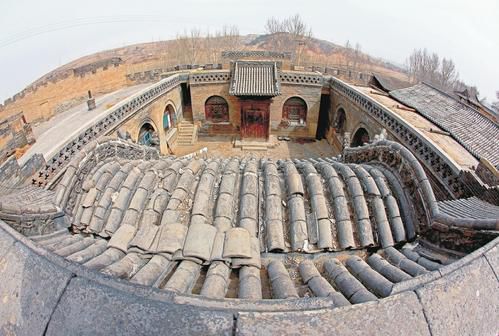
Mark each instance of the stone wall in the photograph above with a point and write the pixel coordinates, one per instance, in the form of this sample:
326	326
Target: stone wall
355	118
311	94
12	175
40	101
487	172
119	114
14	134
201	92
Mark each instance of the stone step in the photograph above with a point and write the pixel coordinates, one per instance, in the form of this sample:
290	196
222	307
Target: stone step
249	143
254	148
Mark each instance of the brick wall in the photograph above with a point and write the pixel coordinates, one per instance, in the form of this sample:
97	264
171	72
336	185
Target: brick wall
310	94
153	114
355	118
42	102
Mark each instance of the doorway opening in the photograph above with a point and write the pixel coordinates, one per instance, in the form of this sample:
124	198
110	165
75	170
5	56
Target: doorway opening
323	122
360	137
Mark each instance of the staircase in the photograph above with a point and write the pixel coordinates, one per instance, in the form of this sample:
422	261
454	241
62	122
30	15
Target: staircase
186	132
255	145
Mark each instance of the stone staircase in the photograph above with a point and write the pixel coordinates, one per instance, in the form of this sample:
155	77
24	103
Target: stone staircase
186	133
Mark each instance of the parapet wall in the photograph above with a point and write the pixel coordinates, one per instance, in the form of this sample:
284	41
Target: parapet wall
118	114
41	100
443	168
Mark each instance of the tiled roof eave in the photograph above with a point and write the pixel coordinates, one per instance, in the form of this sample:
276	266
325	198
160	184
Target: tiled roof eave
255	79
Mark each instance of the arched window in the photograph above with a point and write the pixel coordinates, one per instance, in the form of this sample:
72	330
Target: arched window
360	137
216	110
148	136
169	117
295	111
341	121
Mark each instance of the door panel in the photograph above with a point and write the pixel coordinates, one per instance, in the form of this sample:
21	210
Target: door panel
255	119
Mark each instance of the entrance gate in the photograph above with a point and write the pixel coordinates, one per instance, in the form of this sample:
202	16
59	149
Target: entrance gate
255	119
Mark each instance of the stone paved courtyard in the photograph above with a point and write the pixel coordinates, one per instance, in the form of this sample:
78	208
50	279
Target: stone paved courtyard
282	150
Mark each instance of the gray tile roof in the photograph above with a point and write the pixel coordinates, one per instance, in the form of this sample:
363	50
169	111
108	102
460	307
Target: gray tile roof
389	83
472	207
255	79
479	135
238	54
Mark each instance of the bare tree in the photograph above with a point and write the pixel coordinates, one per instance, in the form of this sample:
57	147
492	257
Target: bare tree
291	34
428	67
357	56
191	47
348	53
448	74
274	26
296	27
187	46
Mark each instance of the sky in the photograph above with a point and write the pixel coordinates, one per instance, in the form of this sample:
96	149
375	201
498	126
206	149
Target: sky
38	36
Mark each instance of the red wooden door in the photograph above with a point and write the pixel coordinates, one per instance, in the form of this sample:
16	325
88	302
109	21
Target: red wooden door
255	119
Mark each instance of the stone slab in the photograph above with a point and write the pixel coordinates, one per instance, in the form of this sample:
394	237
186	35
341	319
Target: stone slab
6	242
463	302
88	308
414	282
398	315
492	257
30	287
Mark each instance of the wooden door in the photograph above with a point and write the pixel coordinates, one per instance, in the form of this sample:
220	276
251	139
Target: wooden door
255	119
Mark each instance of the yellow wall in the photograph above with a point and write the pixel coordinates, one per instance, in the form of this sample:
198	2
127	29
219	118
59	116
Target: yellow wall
154	114
310	94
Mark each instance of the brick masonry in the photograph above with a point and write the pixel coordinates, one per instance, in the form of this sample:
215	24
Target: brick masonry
310	94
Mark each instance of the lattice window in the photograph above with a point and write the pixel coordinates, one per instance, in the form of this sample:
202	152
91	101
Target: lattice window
294	111
216	110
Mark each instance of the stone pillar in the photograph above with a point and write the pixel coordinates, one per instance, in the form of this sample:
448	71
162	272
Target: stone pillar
90	101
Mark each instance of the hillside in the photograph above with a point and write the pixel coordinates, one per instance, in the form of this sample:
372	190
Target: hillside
319	52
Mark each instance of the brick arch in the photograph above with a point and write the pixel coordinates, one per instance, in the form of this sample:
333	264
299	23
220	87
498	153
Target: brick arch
147	125
169	116
294	109
216	109
340	120
360	136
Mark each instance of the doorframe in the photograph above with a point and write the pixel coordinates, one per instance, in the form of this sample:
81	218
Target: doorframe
266	116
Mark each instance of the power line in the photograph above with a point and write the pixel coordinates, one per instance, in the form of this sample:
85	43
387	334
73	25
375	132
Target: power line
79	22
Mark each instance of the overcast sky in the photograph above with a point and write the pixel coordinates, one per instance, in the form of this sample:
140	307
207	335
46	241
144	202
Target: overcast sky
38	36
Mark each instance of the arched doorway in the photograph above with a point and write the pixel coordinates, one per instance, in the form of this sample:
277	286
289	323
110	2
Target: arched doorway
148	135
216	110
341	121
360	137
294	111
169	117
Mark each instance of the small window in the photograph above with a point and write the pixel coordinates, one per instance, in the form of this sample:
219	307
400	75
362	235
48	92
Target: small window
216	110
294	111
